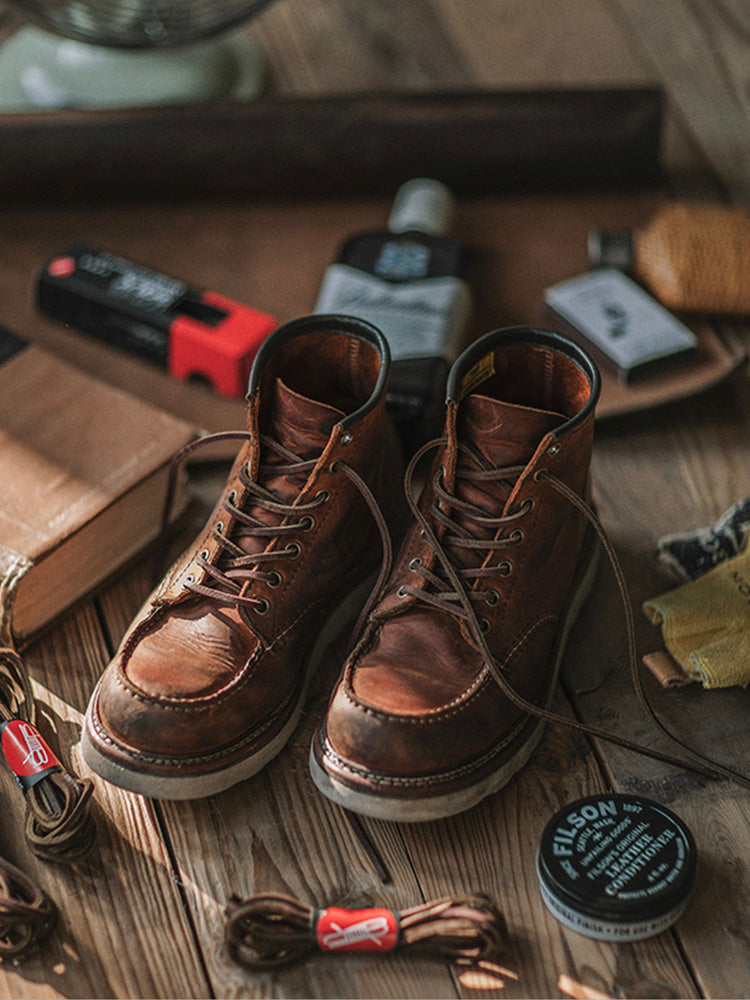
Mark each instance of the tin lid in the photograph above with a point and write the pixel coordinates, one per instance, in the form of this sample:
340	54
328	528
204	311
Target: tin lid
616	867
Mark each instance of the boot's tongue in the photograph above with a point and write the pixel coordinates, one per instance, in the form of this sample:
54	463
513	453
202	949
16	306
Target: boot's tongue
303	426
504	433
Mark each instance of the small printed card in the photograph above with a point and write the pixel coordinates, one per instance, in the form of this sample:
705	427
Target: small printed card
625	328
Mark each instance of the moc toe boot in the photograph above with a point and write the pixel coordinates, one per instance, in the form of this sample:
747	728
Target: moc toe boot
209	681
427	717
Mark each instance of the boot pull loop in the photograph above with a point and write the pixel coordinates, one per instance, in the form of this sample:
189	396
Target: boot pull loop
697	761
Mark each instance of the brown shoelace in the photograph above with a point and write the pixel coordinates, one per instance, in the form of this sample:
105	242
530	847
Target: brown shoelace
459	536
456	599
272	930
238	567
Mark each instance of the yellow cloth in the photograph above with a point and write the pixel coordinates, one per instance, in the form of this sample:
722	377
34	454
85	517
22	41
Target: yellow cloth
706	623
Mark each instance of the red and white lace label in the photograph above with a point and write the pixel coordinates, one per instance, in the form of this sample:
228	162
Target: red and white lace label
27	754
337	929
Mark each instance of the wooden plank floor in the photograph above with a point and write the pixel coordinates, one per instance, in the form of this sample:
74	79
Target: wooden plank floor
143	917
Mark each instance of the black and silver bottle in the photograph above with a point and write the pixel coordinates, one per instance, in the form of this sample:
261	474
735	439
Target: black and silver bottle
409	280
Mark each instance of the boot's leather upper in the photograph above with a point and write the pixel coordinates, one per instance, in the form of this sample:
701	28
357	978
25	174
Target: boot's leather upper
215	661
417	709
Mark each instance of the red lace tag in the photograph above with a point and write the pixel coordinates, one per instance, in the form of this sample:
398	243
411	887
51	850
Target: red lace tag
27	754
337	929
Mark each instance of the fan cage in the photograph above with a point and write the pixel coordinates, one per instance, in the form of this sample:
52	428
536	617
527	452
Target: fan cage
139	23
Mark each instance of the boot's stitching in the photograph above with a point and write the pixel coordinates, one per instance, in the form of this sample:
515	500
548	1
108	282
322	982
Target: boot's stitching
200	702
548	617
143	756
394	781
449	710
187	703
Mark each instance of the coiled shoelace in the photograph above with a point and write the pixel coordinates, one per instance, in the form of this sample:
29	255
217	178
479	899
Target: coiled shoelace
272	930
58	826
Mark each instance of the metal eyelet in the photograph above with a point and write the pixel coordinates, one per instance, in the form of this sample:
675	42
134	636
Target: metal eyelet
205	554
505	567
322	496
485	625
307	522
517	536
294	550
553	448
346	438
414	563
190	578
219	526
528	504
232	498
275	579
262	607
491	596
401	593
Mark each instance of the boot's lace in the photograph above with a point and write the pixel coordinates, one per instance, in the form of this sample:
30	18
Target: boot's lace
453	596
238	568
445	594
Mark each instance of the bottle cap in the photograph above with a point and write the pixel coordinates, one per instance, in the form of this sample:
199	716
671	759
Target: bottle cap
616	867
611	248
422	205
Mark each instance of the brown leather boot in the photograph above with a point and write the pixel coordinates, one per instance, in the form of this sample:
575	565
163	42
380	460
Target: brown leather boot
209	681
428	716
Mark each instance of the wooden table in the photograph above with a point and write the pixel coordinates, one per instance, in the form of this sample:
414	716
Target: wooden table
143	917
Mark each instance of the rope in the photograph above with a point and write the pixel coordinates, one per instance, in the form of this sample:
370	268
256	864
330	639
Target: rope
272	930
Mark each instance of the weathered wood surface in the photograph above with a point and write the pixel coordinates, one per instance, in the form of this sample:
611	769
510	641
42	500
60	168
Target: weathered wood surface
144	916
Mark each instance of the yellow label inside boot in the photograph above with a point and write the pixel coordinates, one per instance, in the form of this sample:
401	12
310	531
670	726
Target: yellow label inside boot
478	373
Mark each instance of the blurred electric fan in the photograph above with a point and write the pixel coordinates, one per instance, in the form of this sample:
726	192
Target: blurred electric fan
124	53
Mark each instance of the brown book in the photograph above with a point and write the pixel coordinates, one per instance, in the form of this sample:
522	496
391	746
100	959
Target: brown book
83	473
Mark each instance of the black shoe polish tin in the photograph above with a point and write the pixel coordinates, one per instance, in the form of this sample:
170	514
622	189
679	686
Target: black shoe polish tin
616	867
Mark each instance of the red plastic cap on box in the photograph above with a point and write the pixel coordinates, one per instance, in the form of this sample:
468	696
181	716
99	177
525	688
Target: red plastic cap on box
222	354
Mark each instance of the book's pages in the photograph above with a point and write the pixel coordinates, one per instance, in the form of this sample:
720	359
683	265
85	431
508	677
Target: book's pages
83	472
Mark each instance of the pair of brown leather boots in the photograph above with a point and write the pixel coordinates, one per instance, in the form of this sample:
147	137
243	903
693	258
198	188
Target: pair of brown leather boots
460	638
